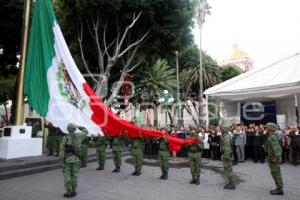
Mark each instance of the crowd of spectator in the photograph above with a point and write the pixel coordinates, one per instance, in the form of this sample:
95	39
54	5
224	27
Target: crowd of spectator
248	142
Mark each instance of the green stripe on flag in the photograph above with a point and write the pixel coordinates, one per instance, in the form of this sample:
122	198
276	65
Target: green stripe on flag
39	56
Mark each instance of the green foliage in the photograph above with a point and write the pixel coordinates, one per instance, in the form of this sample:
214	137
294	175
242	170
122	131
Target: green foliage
169	21
7	88
11	22
189	60
155	79
214	115
229	71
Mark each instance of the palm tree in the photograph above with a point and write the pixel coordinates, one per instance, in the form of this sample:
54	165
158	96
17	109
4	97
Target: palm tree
157	78
211	74
190	75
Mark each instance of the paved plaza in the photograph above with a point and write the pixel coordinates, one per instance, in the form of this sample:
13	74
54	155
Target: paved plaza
254	183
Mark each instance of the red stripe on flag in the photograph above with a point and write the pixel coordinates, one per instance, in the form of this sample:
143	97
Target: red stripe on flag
112	125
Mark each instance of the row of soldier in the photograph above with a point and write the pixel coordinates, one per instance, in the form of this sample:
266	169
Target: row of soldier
73	153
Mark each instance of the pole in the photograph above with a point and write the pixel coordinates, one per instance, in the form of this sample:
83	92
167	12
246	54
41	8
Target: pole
207	111
200	97
178	91
19	117
296	109
166	117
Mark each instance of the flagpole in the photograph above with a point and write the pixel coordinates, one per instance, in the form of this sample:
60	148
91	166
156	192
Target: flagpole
19	117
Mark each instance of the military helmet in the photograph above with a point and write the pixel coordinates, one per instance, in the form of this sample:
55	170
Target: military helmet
71	128
271	126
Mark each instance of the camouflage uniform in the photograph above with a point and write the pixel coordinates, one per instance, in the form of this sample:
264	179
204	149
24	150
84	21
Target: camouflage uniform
164	156
100	144
274	156
227	157
58	138
69	154
84	151
137	151
51	142
195	156
116	152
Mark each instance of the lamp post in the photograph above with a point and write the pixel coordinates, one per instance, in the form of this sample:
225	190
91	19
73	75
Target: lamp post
203	10
167	100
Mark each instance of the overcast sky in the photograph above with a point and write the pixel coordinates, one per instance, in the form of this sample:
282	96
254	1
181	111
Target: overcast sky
267	30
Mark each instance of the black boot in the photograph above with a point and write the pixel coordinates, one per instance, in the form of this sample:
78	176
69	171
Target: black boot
138	173
68	195
165	176
73	194
197	182
117	170
230	186
193	180
101	167
162	175
276	192
134	173
83	165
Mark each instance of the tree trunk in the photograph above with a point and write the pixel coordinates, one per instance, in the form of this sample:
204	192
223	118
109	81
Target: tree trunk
155	123
6	119
170	116
191	114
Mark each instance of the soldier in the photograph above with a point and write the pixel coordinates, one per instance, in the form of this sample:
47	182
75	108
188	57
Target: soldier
274	156
84	151
100	143
164	155
227	157
52	140
195	156
137	151
69	154
58	138
116	152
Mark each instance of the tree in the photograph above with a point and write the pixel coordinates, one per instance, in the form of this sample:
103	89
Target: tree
189	61
7	88
11	23
229	71
155	79
203	10
116	36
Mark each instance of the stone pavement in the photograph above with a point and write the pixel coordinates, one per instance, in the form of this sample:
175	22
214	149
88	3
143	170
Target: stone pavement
254	183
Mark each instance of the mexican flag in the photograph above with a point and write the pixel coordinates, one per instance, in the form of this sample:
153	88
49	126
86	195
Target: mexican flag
54	86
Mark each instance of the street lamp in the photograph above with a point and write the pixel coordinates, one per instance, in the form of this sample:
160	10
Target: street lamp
203	10
167	100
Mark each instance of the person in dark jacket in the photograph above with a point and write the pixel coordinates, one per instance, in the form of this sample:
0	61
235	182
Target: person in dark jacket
215	145
258	145
295	144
